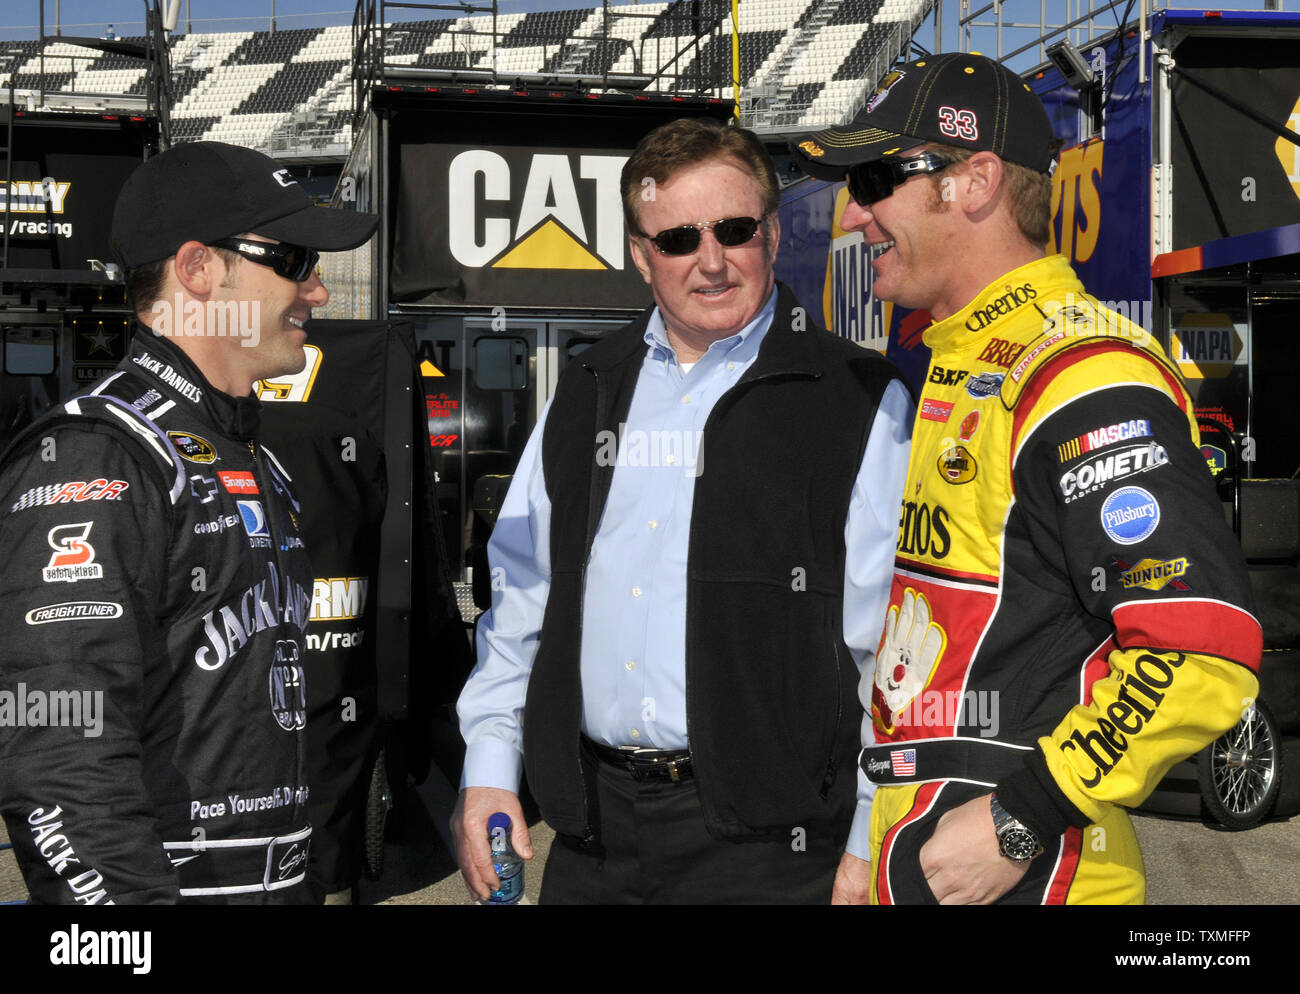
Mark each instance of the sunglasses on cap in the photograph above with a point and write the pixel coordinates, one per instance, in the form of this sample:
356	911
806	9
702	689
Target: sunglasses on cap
293	262
873	181
730	232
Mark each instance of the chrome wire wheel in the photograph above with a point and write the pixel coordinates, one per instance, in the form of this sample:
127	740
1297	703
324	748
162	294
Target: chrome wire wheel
1240	772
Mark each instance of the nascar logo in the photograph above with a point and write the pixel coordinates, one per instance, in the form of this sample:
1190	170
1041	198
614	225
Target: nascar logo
1101	437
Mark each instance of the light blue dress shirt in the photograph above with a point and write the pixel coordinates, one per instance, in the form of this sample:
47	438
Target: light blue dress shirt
633	662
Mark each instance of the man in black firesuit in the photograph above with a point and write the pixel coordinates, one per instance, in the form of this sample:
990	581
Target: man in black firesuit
156	589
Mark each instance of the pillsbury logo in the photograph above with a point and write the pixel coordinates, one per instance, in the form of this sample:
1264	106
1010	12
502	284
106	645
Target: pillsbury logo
1130	515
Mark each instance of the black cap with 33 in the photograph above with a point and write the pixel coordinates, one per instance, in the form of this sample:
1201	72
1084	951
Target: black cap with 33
204	191
959	99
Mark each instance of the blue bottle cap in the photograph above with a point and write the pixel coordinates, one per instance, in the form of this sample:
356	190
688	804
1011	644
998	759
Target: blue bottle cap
499	820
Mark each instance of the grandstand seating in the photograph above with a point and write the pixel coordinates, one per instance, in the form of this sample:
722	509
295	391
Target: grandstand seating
804	64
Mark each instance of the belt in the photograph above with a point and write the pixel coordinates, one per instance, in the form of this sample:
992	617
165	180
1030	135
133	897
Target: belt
981	761
240	866
673	765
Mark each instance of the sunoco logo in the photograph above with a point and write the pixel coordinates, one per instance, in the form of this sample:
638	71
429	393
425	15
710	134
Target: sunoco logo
1155	574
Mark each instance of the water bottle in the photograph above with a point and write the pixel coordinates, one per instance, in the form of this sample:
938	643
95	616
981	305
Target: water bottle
506	862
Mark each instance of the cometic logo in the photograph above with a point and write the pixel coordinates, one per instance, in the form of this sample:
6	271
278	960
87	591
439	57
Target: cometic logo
1093	475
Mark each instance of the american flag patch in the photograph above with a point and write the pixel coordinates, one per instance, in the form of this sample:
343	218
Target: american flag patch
903	762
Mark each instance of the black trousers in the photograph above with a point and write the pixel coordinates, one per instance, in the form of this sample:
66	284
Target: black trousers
653	848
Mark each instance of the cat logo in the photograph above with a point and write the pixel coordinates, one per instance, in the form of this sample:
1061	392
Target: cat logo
570	215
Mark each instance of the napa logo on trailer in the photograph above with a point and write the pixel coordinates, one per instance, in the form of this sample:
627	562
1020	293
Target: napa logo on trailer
1207	346
1076	202
847	304
512	208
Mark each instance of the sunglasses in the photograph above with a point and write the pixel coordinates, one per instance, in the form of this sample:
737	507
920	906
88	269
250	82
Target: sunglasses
872	181
730	232
293	262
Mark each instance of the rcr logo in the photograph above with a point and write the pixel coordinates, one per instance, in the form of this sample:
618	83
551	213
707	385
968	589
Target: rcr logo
549	218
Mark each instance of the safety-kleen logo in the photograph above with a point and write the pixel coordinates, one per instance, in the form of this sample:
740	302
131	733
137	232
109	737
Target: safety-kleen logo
569	215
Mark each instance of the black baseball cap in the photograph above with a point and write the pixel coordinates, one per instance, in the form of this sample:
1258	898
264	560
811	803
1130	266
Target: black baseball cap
960	99
204	191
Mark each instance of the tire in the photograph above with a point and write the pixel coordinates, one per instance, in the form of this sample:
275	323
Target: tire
379	801
1241	771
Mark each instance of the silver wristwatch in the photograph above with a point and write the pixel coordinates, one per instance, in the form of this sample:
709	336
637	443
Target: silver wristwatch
1015	839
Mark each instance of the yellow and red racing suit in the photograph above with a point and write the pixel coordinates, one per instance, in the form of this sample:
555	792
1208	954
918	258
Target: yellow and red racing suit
1070	614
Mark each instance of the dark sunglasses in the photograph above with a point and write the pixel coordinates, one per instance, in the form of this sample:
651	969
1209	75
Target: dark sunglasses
730	232
293	262
872	181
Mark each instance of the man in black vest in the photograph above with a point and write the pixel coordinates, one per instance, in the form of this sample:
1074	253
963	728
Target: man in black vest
692	566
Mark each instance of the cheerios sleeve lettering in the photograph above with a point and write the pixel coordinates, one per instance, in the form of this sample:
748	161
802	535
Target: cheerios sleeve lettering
1119	504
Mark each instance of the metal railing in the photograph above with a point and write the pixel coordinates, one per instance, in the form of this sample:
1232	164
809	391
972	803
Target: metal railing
679	50
1032	25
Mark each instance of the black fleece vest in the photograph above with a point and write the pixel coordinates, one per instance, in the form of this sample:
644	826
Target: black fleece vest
771	690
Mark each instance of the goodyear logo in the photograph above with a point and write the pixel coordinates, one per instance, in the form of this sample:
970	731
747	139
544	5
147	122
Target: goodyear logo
1154	574
569	216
